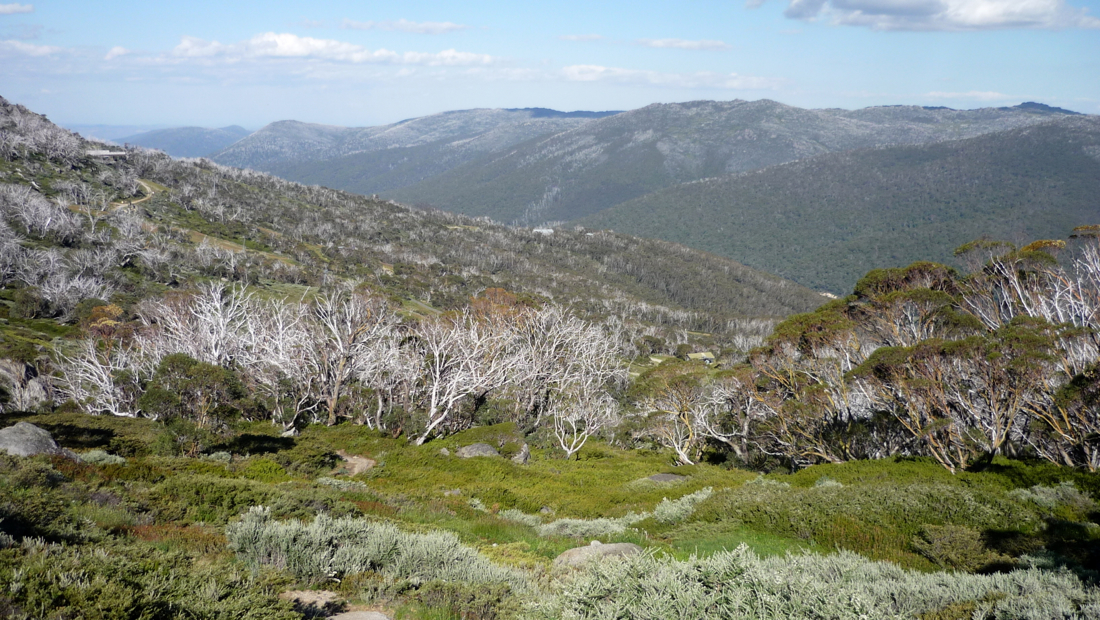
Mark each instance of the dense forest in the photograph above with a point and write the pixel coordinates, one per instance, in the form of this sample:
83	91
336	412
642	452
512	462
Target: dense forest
826	221
265	395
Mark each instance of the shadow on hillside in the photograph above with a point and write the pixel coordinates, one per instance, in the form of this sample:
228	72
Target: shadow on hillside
255	444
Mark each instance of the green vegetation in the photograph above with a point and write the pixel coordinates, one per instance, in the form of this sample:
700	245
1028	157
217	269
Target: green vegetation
405	537
825	221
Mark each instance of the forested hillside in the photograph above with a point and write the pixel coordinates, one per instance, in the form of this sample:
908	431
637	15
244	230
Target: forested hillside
827	220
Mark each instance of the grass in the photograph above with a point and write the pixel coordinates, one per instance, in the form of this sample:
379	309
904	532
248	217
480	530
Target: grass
707	539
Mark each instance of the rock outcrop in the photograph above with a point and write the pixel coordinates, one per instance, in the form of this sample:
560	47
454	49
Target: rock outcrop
25	439
581	555
477	449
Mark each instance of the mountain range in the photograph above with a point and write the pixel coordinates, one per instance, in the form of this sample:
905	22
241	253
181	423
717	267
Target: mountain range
818	196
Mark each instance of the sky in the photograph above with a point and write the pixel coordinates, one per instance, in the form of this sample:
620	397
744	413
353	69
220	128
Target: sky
360	63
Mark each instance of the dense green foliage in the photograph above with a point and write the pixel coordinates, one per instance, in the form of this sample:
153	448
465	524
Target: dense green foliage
826	221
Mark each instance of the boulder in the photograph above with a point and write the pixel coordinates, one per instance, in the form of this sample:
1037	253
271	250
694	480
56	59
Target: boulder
581	555
360	615
523	456
667	478
477	449
444	452
25	439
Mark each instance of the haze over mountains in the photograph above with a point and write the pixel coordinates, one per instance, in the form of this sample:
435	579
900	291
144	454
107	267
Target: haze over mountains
818	196
188	141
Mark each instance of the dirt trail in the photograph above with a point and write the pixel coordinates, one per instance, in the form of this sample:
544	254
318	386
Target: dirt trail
149	191
355	464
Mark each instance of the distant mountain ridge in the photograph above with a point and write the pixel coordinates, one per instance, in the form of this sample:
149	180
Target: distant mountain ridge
475	130
531	166
188	141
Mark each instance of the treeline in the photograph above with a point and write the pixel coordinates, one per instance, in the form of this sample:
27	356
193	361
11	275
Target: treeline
922	360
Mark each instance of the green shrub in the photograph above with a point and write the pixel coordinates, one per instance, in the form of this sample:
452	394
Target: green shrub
101	457
842	586
119	579
206	498
1062	501
879	518
957	547
264	470
330	548
677	510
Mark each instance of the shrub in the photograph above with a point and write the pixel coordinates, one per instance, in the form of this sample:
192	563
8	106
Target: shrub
589	528
264	470
101	457
1063	501
207	498
843	586
342	484
674	511
330	548
957	547
518	516
118	579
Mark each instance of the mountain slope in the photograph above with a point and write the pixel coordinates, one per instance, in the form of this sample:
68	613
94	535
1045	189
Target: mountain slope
827	220
193	220
188	141
597	165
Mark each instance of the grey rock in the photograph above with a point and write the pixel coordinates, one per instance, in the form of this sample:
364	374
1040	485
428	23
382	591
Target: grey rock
289	433
581	555
667	478
546	510
477	449
25	439
452	492
523	456
444	452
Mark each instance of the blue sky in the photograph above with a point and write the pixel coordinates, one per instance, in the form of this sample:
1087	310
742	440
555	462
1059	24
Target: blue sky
361	63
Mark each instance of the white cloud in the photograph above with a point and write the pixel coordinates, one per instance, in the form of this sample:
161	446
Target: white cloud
580	37
941	14
115	52
685	45
28	49
973	94
597	73
271	45
310	23
404	25
11	9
